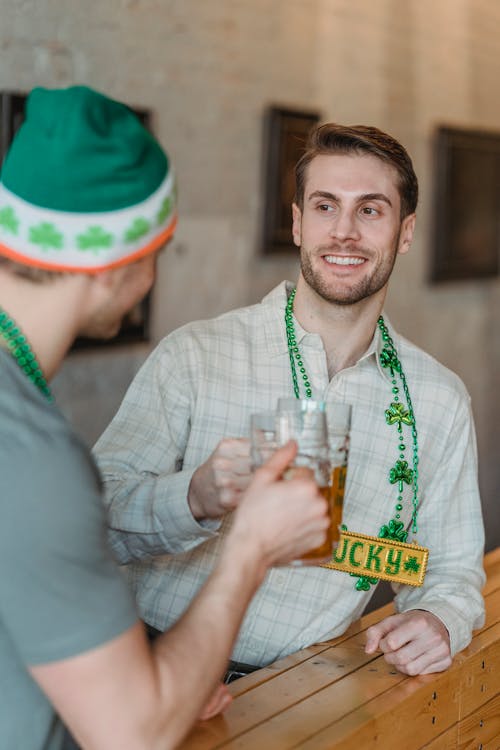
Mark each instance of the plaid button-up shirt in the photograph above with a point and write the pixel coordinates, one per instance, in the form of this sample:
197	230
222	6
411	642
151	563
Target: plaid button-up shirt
200	385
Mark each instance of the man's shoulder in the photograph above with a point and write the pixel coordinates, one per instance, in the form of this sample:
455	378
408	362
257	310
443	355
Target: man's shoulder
22	405
33	432
429	372
240	324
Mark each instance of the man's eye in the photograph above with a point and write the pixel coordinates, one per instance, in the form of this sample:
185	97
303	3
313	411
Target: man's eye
369	211
325	207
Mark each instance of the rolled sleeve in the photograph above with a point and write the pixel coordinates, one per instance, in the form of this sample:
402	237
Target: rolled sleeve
171	526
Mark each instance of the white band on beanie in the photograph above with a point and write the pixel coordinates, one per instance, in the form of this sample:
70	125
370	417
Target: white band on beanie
86	241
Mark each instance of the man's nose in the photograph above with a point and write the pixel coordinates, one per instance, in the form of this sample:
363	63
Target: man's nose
344	225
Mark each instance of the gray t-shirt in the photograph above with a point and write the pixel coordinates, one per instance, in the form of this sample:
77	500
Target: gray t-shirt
60	591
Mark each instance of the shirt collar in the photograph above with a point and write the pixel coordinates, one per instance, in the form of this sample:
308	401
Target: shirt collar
274	304
273	322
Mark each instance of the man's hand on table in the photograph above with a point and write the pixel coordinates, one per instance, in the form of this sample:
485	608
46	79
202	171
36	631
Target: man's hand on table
217	485
415	642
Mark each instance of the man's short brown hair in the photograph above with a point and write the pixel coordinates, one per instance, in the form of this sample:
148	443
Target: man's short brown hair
31	273
360	139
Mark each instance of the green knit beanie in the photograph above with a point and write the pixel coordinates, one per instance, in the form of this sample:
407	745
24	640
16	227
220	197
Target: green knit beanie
84	185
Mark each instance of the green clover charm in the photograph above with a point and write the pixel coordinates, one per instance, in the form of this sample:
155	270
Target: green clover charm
398	414
364	582
400	473
390	359
394	530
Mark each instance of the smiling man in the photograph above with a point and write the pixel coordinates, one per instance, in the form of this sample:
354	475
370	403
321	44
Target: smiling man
176	457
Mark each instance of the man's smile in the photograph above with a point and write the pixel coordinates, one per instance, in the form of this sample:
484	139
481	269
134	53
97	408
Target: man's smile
343	260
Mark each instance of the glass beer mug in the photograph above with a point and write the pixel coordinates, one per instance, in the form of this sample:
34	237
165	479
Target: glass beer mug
323	445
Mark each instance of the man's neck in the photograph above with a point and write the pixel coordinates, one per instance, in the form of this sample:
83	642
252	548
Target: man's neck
346	330
47	313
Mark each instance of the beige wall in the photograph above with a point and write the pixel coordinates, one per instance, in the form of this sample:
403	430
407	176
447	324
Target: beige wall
208	68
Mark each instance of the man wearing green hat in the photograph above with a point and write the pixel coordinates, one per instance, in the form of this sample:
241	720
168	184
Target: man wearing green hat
87	198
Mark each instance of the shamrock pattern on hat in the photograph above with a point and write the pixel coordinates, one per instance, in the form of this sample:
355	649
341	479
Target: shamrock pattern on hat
47	236
95	238
138	229
166	208
9	220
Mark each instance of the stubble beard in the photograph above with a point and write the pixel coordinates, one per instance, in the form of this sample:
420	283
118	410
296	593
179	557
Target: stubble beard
345	293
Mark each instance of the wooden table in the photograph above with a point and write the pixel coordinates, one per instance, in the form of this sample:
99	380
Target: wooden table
332	695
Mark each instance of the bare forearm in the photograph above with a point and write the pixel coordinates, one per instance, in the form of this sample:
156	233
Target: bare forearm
192	656
144	699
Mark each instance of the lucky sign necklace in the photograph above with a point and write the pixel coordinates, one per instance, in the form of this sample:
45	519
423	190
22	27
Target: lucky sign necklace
386	556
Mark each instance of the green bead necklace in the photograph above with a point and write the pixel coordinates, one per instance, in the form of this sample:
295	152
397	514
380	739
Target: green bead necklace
21	351
397	414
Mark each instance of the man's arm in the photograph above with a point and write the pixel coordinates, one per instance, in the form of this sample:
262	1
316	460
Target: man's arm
125	695
141	457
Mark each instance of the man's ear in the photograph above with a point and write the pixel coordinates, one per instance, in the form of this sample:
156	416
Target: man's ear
109	277
296	224
106	282
406	233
